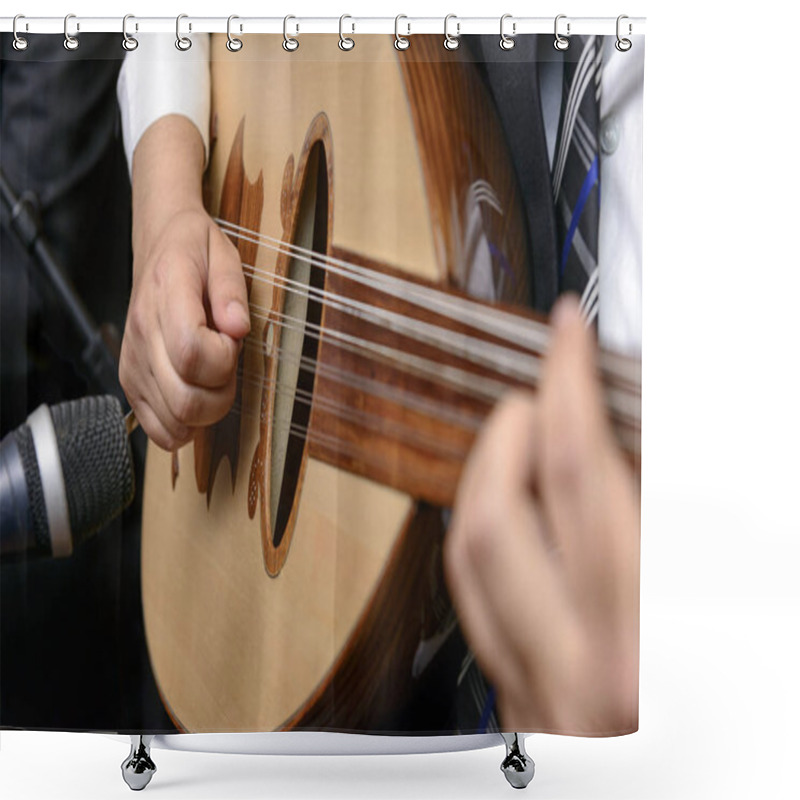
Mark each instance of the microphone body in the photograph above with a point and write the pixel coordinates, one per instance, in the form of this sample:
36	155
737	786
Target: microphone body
64	474
16	524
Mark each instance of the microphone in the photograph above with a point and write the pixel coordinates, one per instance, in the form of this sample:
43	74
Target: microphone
64	474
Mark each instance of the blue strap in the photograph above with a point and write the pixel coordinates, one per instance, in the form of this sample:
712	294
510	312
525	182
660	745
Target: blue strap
488	707
592	177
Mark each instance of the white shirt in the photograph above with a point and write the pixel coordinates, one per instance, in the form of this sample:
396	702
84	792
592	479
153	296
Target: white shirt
620	232
157	79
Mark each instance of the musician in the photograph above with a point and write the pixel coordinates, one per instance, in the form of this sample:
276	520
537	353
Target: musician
545	489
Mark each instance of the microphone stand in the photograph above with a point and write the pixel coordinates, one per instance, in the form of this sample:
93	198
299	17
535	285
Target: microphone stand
100	364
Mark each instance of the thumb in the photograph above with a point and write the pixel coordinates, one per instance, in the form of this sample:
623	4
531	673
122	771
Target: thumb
227	291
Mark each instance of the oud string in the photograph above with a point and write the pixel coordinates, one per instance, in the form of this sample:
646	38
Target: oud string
477	351
368	386
362	451
497	322
470	383
371	421
454	415
409	401
523	332
484	354
447	375
368	457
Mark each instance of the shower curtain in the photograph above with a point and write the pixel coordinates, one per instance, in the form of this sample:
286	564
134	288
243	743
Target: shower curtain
404	219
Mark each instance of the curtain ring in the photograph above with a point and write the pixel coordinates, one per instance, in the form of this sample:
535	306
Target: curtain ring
70	42
506	41
451	42
345	42
400	42
623	45
129	43
233	44
20	42
182	42
290	43
561	42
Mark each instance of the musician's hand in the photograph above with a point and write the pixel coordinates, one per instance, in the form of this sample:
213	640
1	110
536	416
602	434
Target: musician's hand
188	309
542	556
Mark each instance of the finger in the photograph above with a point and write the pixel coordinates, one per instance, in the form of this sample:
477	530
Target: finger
143	394
496	553
586	497
140	387
183	405
512	606
177	431
495	465
570	378
227	291
477	621
152	426
504	456
199	355
608	580
573	429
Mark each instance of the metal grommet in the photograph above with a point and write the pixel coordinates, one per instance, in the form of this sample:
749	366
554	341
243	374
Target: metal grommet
233	44
451	42
20	42
290	44
182	42
623	45
506	41
561	42
70	42
400	42
345	42
129	43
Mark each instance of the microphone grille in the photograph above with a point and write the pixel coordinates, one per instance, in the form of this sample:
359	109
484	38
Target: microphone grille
33	480
96	459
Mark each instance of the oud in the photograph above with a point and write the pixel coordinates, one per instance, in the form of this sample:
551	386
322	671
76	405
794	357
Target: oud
285	551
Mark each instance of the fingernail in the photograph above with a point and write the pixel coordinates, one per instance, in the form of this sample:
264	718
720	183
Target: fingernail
566	311
238	313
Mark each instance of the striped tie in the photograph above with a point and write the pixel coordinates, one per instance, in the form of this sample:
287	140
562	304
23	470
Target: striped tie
576	173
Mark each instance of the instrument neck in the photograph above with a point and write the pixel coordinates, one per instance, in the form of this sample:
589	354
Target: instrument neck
422	378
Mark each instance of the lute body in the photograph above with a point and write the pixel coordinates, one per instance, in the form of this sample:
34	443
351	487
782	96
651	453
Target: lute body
287	553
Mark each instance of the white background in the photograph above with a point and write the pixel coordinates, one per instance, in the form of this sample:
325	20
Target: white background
720	613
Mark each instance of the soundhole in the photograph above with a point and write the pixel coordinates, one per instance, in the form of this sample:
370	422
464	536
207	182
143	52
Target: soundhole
299	343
